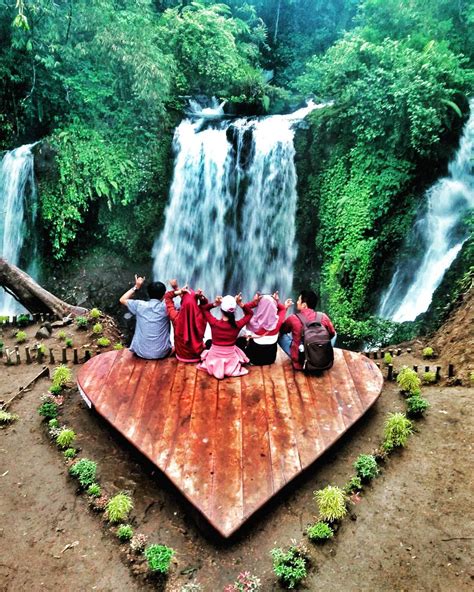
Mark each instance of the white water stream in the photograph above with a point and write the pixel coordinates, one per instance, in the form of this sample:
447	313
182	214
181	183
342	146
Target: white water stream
230	222
442	234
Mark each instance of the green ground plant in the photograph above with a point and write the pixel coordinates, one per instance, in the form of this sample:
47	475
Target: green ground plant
23	320
103	342
84	471
97	329
55	389
1	345
61	375
6	417
48	409
65	438
387	358
53	423
68	342
61	335
94	490
70	453
81	322
354	484
428	377
20	337
119	507
366	467
320	532
159	558
124	532
118	346
332	503
428	353
416	406
95	313
397	430
408	380
41	350
290	566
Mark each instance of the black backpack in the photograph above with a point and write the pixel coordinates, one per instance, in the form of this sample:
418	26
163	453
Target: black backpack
317	354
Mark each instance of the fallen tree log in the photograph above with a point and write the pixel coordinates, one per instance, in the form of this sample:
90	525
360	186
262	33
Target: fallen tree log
31	295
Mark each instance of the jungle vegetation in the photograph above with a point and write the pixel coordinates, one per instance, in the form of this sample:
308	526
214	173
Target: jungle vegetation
106	81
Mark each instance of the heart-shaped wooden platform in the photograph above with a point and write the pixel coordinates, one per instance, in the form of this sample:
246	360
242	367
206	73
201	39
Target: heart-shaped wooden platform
229	445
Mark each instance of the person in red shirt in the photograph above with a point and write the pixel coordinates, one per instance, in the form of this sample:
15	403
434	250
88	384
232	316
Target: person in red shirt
189	323
291	330
224	358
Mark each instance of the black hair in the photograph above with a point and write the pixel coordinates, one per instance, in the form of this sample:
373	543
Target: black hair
231	317
156	290
309	297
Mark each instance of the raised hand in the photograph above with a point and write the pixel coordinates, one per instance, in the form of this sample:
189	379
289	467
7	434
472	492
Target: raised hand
174	284
139	281
218	300
238	298
288	303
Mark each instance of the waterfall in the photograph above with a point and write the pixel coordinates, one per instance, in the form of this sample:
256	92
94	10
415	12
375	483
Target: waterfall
230	222
18	214
439	235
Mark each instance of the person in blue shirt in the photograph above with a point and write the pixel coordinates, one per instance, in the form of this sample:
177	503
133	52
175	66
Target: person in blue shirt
151	339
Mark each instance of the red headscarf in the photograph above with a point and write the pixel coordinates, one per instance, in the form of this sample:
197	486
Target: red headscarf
190	323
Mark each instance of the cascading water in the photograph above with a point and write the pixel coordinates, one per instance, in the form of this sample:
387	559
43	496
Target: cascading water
442	233
230	222
18	214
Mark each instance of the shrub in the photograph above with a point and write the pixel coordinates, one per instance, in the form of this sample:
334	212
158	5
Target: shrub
97	329
81	322
124	532
53	423
95	313
387	358
397	430
428	353
65	438
354	484
23	320
6	417
290	566
61	335
416	406
118	507
55	389
70	453
138	543
20	337
118	346
159	558
408	380
429	377
94	490
1	344
48	409
103	342
245	582
332	503
84	471
366	467
68	342
41	350
320	532
61	375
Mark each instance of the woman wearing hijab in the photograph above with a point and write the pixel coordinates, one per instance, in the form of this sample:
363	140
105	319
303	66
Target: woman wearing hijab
224	358
263	329
189	323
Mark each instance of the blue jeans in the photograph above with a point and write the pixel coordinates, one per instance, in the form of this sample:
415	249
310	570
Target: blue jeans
286	339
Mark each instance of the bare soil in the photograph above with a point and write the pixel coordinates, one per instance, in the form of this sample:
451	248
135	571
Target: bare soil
411	530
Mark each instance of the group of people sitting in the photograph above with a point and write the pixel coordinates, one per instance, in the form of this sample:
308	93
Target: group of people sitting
234	342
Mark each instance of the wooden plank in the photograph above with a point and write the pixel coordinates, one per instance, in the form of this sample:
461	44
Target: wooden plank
347	396
115	387
256	454
365	375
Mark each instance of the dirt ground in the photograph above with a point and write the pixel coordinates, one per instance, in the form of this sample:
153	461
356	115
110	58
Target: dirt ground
411	530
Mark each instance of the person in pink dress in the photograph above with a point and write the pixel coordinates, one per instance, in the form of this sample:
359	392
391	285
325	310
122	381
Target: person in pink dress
224	358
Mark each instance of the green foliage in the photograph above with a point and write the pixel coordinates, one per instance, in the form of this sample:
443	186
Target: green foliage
290	566
70	453
416	406
119	507
428	377
53	423
428	353
94	490
95	313
103	342
48	409
55	389
320	532
6	417
84	471
20	336
97	329
397	430
61	375
118	346
159	558
41	350
408	380
353	485
332	503
124	532
387	358
23	320
68	342
81	322
1	345
65	438
61	335
366	467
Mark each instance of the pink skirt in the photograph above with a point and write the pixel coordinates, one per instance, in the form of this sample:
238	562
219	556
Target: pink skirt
223	360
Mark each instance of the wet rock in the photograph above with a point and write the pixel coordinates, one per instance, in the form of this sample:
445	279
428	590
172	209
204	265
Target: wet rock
43	333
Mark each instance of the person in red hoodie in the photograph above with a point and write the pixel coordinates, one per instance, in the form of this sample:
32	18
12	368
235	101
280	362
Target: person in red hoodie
291	330
188	321
224	358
